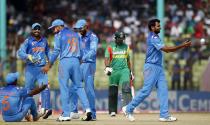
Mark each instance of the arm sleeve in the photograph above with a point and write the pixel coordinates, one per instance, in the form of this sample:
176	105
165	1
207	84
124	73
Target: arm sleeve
47	51
23	92
157	43
107	54
79	45
56	50
21	53
129	53
93	48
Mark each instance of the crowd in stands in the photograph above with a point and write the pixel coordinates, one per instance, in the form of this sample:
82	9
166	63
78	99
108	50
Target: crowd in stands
183	20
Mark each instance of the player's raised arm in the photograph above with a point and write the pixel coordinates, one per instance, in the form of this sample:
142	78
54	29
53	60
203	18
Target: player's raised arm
175	48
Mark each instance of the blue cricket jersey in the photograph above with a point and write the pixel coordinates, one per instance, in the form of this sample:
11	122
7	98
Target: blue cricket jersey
67	44
11	99
89	47
154	55
38	49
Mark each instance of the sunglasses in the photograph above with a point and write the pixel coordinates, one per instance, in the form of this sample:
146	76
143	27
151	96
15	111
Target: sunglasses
37	28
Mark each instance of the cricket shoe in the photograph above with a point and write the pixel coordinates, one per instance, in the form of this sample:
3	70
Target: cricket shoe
168	119
113	114
74	115
62	119
88	117
47	114
129	116
42	111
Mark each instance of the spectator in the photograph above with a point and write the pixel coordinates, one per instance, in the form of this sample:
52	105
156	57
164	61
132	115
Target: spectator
188	75
176	79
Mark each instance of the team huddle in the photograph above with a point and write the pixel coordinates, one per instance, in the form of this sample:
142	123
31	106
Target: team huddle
77	48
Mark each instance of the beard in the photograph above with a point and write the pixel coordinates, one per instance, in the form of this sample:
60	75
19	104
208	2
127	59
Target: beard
157	31
36	34
119	42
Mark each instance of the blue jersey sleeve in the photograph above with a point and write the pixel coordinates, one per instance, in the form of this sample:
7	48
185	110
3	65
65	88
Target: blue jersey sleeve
156	41
80	45
93	48
23	92
56	50
21	53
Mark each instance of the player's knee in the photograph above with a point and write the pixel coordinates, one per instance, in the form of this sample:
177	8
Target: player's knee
126	88
146	92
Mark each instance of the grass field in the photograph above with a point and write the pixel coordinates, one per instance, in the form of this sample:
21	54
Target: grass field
141	119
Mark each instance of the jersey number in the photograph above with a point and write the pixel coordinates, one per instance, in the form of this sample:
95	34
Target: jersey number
73	44
5	103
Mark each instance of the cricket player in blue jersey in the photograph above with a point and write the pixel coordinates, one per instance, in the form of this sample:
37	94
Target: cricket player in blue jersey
16	102
67	45
88	67
154	73
35	52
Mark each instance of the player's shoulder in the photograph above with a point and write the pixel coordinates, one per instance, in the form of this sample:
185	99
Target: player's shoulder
155	36
92	34
28	39
44	38
112	44
125	45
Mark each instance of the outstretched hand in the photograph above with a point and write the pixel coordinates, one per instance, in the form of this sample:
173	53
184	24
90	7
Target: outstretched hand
46	68
187	43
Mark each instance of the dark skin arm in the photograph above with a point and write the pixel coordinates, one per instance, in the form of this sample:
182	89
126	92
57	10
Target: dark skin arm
37	90
106	62
46	68
129	64
175	48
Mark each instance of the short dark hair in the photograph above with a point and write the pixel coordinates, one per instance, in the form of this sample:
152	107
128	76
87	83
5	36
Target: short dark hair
152	23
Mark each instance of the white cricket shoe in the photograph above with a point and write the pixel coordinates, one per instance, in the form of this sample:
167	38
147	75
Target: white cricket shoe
168	119
129	116
74	115
62	119
113	114
42	111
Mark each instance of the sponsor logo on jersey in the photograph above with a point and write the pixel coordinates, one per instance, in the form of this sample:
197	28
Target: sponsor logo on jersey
38	49
119	52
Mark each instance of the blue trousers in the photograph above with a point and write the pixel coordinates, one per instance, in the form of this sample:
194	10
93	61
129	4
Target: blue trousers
153	77
88	72
34	74
69	69
28	104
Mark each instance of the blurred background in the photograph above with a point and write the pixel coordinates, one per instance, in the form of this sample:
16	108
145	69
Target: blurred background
181	20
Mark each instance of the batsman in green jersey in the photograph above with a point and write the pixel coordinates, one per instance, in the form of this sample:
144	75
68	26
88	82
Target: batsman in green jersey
117	62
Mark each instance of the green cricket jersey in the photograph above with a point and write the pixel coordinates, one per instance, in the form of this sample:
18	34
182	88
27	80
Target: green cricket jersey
118	55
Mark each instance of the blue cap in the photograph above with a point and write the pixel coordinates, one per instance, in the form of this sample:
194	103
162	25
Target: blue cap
56	22
80	23
34	25
11	77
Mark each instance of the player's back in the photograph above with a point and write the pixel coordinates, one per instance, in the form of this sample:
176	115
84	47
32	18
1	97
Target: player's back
69	43
11	100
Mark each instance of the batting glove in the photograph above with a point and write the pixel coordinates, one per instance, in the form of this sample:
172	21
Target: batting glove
33	59
108	70
132	76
